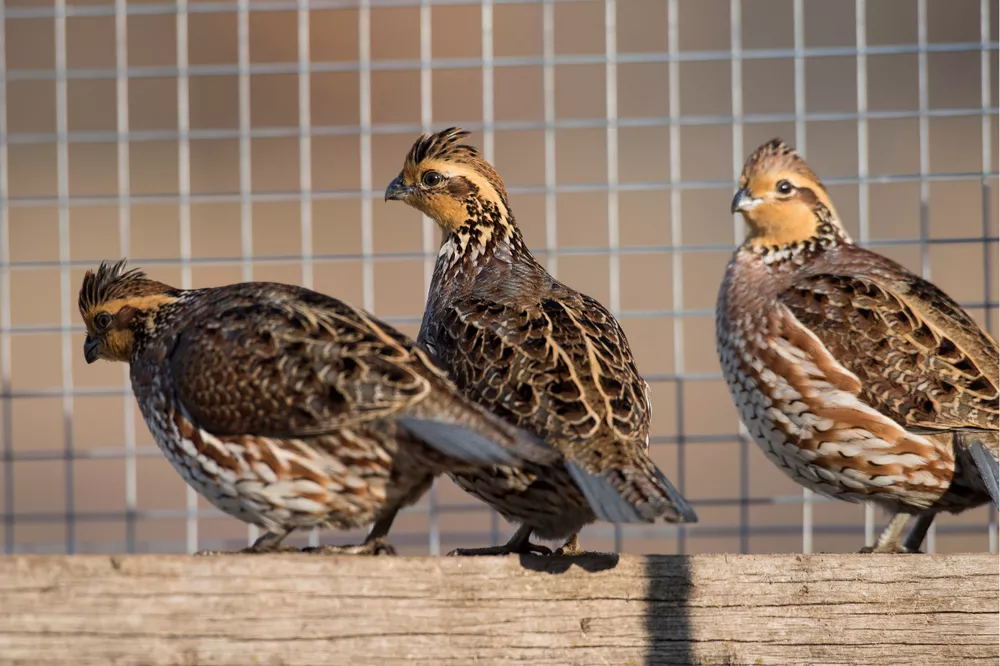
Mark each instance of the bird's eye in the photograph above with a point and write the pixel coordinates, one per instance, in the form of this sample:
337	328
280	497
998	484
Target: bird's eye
432	178
102	321
784	187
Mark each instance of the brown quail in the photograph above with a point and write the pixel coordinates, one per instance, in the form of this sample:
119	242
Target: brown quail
534	351
289	409
861	380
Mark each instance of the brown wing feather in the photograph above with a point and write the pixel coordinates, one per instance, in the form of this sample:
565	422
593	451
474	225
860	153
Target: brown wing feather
921	359
288	367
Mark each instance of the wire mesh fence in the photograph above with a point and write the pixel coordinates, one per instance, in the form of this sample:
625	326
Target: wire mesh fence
214	142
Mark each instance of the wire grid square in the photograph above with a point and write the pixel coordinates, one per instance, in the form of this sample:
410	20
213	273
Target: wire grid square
213	143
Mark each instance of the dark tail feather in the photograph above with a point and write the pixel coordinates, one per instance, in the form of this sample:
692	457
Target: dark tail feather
989	469
644	485
606	500
641	493
487	448
458	442
481	439
678	509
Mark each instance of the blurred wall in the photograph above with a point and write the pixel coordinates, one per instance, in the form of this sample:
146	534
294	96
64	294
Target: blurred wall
696	411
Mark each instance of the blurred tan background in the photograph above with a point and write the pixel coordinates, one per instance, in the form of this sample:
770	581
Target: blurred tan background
104	500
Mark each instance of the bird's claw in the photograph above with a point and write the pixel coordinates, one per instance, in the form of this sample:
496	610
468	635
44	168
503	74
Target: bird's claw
890	550
249	550
568	551
373	548
506	549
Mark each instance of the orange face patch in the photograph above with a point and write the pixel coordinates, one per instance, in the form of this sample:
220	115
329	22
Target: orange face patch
777	217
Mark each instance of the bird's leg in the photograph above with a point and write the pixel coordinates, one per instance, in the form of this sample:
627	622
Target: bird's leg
375	543
891	539
916	537
270	542
520	543
571	547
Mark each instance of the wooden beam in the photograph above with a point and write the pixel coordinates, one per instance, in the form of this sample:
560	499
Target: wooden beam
304	609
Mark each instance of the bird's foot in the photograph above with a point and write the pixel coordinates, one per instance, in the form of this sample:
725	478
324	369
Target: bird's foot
506	549
893	549
373	547
250	550
571	547
570	551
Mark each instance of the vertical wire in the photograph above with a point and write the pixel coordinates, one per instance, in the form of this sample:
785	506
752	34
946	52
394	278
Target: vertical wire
65	298
246	173
427	233
305	163
124	244
677	264
243	78
923	120
365	96
800	145
989	225
6	402
549	100
488	84
611	114
924	132
365	119
426	119
184	214
736	90
488	137
305	144
861	39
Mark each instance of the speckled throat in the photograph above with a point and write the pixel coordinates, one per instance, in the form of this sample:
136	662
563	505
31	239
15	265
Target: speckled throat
829	233
489	237
157	323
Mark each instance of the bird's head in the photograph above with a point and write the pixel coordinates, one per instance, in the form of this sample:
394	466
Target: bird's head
449	181
117	307
782	200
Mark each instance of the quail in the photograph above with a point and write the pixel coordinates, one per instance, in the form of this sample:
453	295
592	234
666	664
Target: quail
534	351
861	380
289	409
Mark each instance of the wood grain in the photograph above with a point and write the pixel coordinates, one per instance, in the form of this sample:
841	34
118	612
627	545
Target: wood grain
300	609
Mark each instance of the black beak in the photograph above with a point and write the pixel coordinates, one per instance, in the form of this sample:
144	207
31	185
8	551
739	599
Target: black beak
91	349
741	199
397	190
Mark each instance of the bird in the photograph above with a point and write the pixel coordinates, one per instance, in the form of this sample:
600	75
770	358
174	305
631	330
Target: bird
861	380
289	409
539	354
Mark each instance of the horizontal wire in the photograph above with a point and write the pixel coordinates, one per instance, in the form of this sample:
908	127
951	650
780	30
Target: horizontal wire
650	58
419	540
211	513
296	132
169	9
52	329
576	188
151	451
221	262
597	530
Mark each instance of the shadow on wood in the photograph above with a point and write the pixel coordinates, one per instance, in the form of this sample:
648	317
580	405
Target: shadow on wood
668	631
299	609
